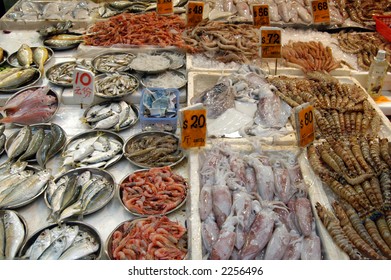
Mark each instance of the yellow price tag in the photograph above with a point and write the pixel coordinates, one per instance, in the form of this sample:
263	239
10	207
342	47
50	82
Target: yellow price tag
261	15
305	126
164	7
320	11
194	13
271	43
193	128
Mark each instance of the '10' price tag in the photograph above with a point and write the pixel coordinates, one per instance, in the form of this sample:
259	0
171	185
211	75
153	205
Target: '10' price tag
261	15
305	126
164	7
270	42
83	86
320	11
194	13
193	128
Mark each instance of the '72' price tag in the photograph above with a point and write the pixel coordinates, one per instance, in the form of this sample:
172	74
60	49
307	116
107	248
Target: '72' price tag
305	125
164	7
270	42
83	86
193	128
261	15
194	13
320	11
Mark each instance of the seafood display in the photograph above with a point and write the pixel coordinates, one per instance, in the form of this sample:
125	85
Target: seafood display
153	149
27	56
78	192
13	232
62	73
177	59
14	79
115	85
3	138
68	241
21	184
99	149
54	29
254	205
150	63
113	62
63	41
167	79
111	115
152	238
157	191
147	29
30	106
36	143
309	56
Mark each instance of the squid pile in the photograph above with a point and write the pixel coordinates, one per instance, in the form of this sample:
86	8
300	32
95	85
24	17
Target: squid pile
153	192
255	206
309	56
152	238
364	45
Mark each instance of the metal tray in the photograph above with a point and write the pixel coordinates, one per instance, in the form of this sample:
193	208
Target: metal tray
55	67
36	77
128	92
34	128
175	64
145	70
50	92
95	59
5	57
12	59
133	107
150	133
95	172
82	227
23	221
146	80
119	194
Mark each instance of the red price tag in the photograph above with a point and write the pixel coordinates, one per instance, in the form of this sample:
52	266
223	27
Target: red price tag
320	11
83	86
270	42
164	7
195	12
261	15
305	126
193	128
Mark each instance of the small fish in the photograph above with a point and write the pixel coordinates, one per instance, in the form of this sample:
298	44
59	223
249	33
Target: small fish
24	56
7	72
58	139
40	56
17	78
14	234
81	248
20	143
35	143
54	251
42	151
66	37
42	242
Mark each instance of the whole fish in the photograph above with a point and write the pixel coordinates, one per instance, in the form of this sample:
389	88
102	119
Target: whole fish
54	251
61	43
18	78
14	234
20	143
7	72
40	56
16	102
24	56
80	249
42	152
58	139
2	239
35	143
67	37
36	115
38	247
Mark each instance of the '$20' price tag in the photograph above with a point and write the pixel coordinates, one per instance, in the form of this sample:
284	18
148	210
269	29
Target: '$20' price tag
320	11
164	7
83	86
193	128
305	126
194	13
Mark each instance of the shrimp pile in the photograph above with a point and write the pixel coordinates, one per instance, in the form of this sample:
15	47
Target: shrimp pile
309	56
153	238
255	206
153	192
147	29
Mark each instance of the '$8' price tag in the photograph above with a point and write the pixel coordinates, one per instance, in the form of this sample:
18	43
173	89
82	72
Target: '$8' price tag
193	128
194	13
305	126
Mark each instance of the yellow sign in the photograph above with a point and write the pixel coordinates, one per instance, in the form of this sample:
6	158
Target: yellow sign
194	13
261	15
305	126
193	128
271	43
164	7
320	11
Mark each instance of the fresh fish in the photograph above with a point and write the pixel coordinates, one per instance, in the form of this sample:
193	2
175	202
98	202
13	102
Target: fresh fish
7	72
25	56
34	144
60	43
72	193
1	54
18	78
35	115
17	101
2	141
14	234
123	115
54	251
58	139
2	239
80	249
40	56
71	232
113	62
56	202
42	242
42	152
13	179
21	142
67	37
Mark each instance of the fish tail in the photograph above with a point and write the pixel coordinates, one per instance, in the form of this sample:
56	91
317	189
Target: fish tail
6	120
41	69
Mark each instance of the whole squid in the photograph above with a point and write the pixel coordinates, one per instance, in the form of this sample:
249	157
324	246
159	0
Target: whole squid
223	247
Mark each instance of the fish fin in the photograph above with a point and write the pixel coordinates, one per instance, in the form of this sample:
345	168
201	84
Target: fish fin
83	120
41	69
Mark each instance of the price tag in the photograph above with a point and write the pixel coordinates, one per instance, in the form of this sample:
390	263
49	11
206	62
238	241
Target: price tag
305	124
194	13
270	42
193	128
164	7
261	15
83	86
320	11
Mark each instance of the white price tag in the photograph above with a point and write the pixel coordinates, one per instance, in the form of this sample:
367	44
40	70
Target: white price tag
83	86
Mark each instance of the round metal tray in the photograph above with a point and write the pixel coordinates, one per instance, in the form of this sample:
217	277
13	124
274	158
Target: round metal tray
12	59
146	79
133	107
23	221
119	194
150	133
50	92
34	127
94	61
175	64
92	133
128	92
5	57
36	77
95	172
150	71
84	227
55	67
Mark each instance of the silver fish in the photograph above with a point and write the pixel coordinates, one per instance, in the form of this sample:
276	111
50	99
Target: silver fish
42	242
54	251
14	234
80	249
2	239
20	143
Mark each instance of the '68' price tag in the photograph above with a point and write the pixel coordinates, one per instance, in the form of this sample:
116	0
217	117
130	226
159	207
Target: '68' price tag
195	12
261	15
305	125
320	11
164	7
83	86
270	42
193	128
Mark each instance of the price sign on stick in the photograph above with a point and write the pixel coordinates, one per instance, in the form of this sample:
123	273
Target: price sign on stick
305	126
261	15
320	11
83	86
194	13
270	42
193	128
164	7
